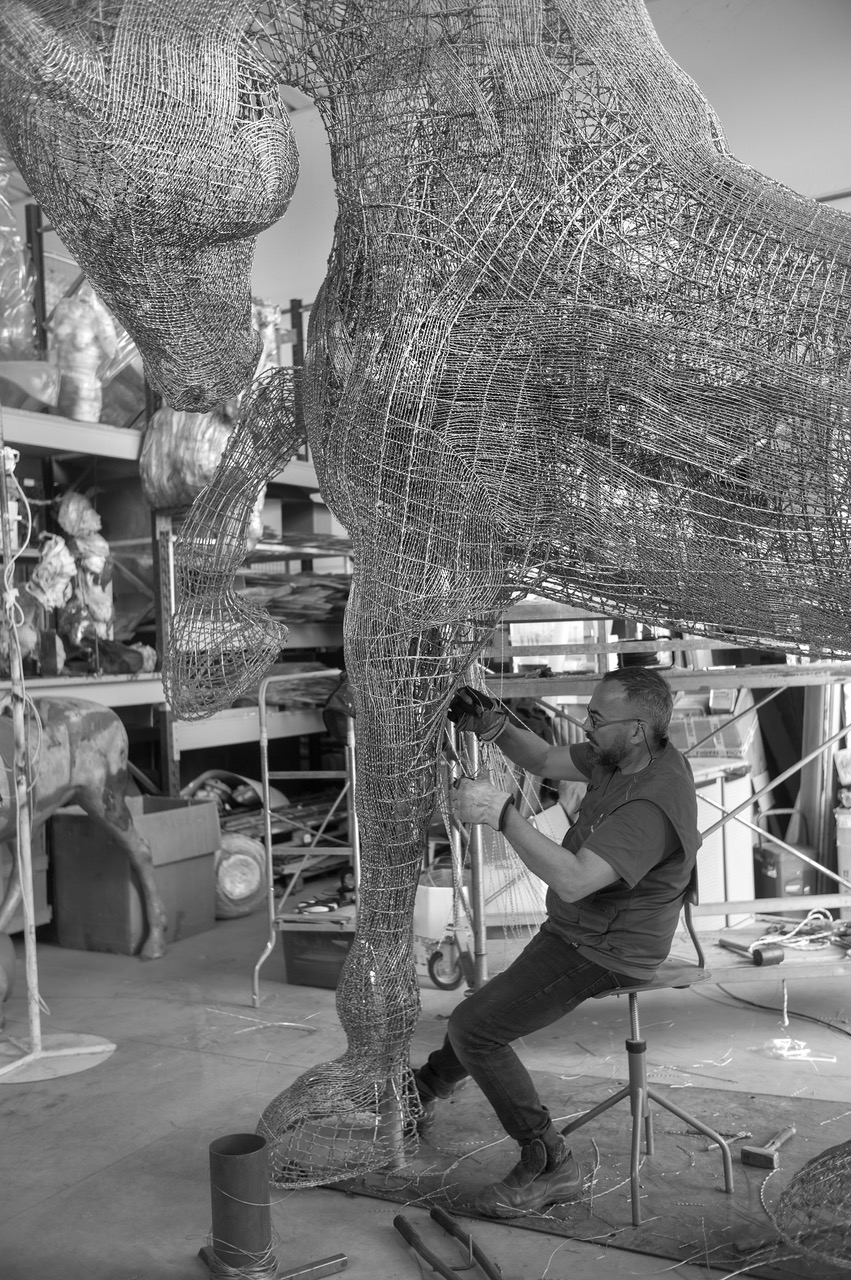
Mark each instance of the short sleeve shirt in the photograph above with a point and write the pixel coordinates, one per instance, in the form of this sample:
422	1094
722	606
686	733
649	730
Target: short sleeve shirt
627	926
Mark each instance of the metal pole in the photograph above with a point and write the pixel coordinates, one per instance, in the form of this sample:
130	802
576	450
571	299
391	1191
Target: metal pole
769	786
781	844
21	759
477	882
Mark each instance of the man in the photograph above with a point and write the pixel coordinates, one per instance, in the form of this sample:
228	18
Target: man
615	889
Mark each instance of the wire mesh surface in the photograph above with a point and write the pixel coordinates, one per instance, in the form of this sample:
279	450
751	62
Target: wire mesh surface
814	1212
566	344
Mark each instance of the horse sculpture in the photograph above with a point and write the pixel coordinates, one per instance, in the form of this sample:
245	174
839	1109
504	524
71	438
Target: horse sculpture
566	344
78	752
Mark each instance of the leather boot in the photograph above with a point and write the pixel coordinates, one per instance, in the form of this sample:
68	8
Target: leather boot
545	1174
430	1091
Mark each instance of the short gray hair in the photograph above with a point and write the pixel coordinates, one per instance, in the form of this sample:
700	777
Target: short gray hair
650	691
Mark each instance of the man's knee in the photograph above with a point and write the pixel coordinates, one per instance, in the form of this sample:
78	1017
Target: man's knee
466	1030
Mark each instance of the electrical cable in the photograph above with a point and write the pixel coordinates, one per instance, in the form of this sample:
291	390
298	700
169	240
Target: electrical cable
767	1008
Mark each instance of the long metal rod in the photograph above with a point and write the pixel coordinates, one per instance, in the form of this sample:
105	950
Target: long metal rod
781	844
477	882
21	763
769	786
272	907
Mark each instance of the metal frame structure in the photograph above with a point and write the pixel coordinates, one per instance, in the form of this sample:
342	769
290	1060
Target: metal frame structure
347	777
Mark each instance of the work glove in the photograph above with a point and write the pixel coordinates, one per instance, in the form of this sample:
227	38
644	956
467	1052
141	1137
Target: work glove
477	800
474	712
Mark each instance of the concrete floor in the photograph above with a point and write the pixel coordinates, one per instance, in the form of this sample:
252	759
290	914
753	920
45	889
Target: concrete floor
105	1175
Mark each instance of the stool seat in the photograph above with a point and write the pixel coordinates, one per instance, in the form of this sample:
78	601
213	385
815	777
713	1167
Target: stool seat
672	973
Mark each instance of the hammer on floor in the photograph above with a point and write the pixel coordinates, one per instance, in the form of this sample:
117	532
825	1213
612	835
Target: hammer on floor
766	1157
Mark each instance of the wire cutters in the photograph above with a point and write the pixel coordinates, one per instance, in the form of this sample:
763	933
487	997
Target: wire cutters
474	1253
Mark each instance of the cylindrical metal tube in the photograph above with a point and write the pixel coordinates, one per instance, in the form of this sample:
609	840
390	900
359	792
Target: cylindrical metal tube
239	1193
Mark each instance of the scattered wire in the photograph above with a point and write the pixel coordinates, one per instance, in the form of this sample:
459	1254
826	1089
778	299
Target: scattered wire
767	1008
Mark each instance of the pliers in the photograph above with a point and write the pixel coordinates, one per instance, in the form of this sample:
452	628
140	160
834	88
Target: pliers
474	1253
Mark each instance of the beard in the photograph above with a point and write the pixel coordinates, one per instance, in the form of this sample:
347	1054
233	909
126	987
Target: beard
611	756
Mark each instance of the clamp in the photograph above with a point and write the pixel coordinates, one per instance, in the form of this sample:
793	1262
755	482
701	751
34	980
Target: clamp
474	1253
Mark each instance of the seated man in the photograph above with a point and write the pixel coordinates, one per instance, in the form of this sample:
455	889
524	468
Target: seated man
615	889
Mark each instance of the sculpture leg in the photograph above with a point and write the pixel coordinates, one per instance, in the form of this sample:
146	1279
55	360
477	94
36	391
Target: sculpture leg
358	1113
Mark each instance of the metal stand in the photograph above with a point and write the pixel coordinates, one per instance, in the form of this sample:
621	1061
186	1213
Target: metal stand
672	975
640	1095
346	776
61	1054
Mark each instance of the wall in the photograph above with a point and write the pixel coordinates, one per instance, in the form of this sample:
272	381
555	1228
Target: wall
777	72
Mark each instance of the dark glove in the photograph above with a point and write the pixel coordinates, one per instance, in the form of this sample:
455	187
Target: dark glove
474	712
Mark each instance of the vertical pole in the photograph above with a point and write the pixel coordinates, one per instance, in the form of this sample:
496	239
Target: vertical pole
477	883
354	830
239	1195
297	323
21	760
35	246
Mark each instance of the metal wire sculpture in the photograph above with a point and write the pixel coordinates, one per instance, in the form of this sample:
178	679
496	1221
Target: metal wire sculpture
566	343
812	1214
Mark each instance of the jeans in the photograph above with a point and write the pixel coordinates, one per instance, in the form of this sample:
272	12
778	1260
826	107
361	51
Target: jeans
546	981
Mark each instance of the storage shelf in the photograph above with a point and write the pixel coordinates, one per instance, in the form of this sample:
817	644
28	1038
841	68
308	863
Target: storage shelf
242	724
47	433
109	691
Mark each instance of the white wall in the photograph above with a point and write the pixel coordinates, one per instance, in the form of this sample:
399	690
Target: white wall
777	72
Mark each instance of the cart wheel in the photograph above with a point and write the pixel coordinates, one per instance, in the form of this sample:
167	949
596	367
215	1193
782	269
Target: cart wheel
444	968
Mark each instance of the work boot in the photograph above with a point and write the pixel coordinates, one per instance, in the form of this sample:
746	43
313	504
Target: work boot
429	1095
545	1174
428	1102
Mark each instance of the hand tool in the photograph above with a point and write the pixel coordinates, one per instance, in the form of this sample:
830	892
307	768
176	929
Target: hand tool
757	952
443	1219
766	1157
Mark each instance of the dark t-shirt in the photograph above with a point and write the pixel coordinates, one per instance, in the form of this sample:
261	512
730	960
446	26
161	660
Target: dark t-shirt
645	826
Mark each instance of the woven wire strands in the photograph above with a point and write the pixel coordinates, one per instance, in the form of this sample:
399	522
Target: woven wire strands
566	344
153	136
814	1212
220	644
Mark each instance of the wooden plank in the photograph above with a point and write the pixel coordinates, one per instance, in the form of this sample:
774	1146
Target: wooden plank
765	906
615	646
582	684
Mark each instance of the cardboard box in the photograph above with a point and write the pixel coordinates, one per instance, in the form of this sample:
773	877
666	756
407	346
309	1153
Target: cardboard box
42	910
96	897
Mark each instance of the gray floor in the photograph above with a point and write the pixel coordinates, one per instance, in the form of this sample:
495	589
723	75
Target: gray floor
104	1173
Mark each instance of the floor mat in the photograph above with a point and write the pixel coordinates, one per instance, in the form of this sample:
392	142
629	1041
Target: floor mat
686	1214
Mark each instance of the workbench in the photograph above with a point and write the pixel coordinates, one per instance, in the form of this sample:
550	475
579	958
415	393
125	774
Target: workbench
724	966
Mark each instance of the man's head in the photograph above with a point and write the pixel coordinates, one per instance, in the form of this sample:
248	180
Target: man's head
628	716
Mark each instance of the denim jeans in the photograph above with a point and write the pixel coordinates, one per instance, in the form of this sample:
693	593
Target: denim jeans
546	981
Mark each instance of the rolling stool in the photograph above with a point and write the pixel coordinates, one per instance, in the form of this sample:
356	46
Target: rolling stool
672	974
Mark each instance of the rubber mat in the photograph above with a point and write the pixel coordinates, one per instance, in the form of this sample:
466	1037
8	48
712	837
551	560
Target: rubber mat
686	1213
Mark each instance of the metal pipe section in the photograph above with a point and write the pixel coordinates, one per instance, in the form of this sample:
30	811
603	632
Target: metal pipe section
477	882
239	1195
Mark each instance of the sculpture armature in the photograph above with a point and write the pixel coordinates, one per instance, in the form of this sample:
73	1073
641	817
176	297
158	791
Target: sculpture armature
566	343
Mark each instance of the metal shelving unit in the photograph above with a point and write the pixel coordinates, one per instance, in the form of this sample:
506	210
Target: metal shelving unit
315	851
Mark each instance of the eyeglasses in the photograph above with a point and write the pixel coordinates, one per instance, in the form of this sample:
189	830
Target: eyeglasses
597	721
